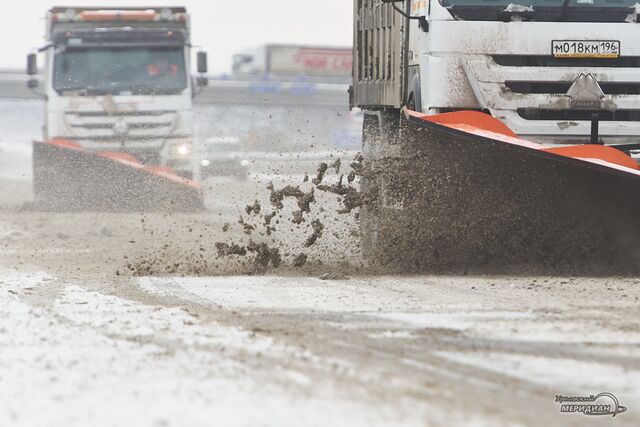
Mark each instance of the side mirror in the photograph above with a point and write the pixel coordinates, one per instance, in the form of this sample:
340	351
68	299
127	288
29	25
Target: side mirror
203	63
404	13
32	64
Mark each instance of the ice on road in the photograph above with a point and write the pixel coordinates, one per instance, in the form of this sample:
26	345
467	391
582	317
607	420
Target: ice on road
278	351
92	359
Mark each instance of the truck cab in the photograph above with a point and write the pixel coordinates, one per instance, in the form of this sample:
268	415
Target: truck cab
549	70
119	80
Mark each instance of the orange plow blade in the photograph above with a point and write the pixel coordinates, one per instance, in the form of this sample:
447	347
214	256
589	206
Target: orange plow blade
460	192
68	177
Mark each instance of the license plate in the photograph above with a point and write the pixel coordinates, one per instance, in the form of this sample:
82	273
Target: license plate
585	49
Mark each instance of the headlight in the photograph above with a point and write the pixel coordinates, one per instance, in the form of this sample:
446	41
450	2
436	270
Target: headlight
206	163
180	150
245	163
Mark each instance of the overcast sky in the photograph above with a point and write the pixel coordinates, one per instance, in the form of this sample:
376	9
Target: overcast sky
222	27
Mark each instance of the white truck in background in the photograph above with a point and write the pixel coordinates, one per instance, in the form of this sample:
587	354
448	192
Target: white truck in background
550	70
333	64
119	80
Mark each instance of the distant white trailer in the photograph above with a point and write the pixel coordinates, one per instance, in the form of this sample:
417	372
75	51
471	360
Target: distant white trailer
295	60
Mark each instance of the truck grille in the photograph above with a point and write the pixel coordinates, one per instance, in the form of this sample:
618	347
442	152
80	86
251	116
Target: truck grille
102	126
560	88
520	89
550	61
578	115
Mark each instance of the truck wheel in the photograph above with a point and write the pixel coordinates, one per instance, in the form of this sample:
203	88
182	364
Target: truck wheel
385	227
370	137
379	136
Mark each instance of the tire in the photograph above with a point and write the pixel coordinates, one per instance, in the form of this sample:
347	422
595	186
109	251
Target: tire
370	137
39	175
45	183
392	218
54	188
380	135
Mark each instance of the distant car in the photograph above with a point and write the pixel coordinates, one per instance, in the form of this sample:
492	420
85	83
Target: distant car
223	157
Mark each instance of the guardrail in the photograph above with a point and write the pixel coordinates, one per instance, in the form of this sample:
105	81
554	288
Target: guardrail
223	91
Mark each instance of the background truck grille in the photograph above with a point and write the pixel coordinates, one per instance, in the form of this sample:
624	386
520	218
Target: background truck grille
103	126
134	125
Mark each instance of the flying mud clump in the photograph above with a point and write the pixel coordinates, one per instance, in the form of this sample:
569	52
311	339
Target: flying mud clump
318	228
282	218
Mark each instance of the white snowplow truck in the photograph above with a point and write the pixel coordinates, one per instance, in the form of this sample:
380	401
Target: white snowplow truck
556	73
119	89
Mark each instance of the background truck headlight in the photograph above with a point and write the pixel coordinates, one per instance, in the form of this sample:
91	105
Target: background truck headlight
184	149
180	150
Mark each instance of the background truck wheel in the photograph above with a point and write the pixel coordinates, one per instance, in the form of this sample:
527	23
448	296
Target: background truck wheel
243	176
39	176
46	185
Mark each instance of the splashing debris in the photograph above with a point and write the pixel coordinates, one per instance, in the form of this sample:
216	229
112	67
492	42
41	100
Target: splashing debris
277	196
333	276
254	208
247	228
300	260
297	218
226	249
265	255
318	228
322	169
337	165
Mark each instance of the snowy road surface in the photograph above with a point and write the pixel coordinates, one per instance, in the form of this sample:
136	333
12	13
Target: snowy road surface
83	345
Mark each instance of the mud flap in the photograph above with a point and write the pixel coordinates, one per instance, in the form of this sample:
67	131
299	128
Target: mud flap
66	177
461	193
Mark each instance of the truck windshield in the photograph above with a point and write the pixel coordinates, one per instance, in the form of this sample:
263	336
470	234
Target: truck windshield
543	10
136	70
